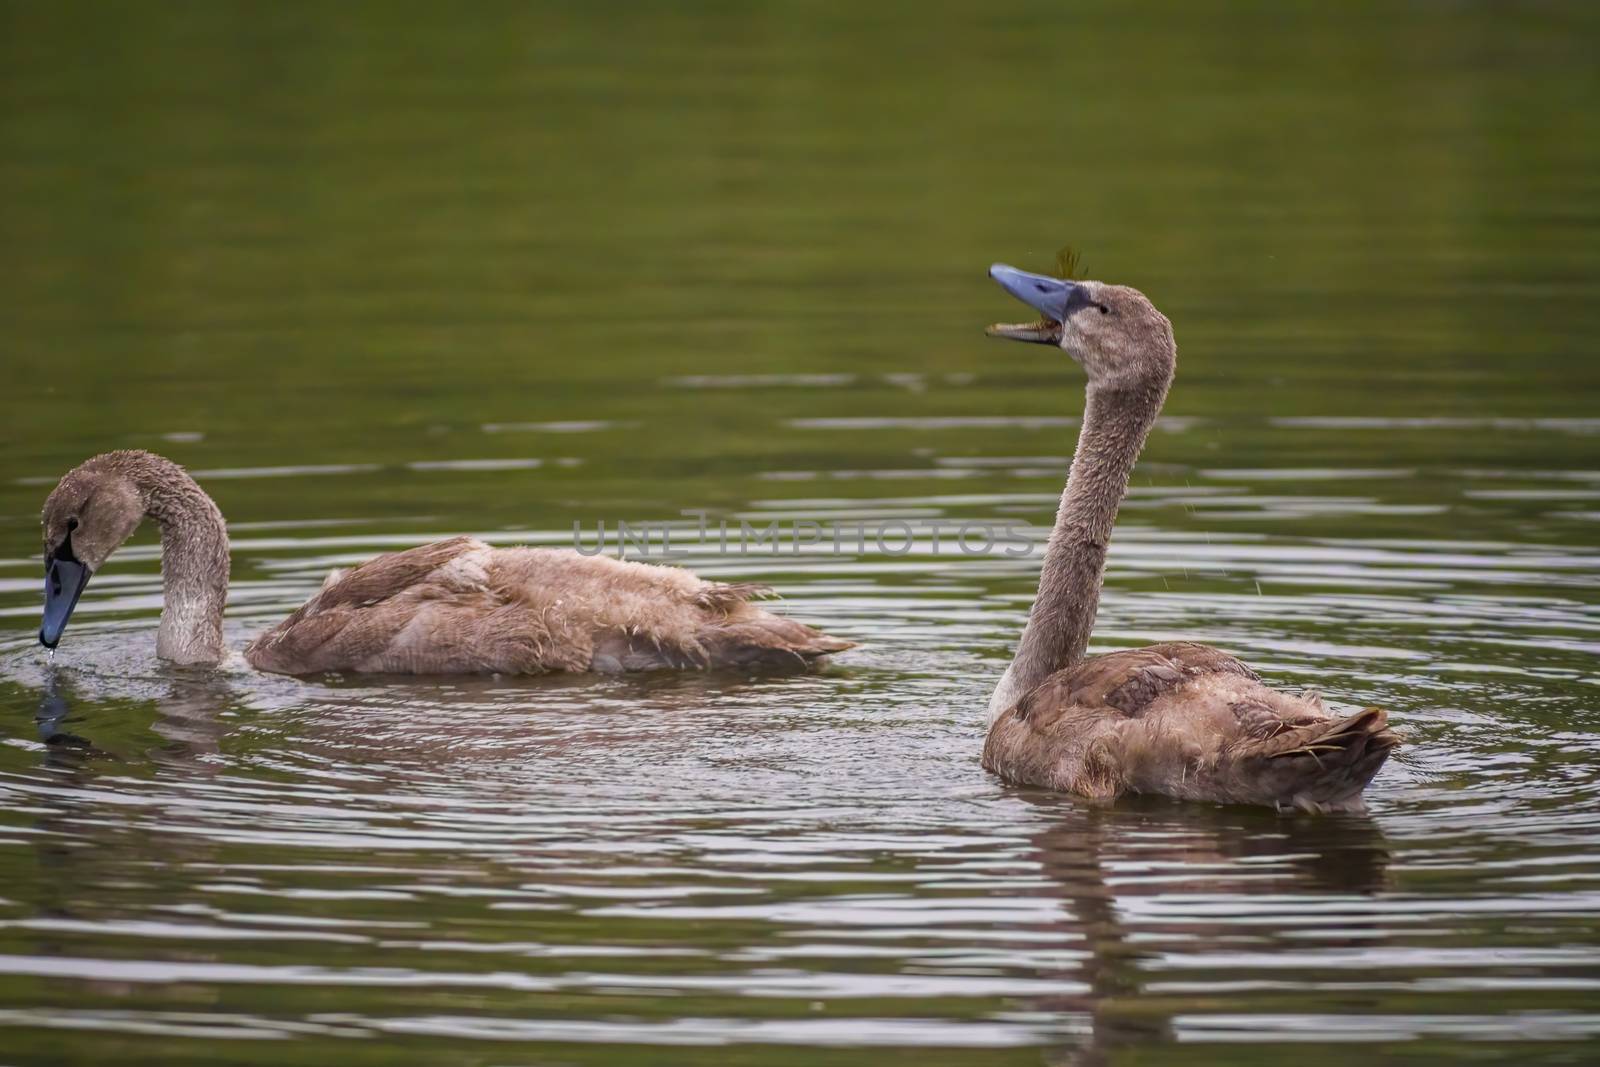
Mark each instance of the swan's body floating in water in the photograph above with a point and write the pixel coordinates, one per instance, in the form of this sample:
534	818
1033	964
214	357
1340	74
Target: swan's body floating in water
1182	720
453	607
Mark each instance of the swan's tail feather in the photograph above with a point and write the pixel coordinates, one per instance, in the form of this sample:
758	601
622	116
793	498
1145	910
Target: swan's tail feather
1325	766
736	636
724	597
768	642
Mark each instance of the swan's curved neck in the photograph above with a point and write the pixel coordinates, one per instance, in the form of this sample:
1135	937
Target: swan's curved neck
1116	420
194	564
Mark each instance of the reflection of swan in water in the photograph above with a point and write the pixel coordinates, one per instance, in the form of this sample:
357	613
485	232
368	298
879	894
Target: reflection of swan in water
51	718
513	730
1180	719
188	719
549	732
1112	867
77	844
453	607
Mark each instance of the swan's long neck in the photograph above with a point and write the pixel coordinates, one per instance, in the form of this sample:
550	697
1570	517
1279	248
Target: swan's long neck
194	563
1116	421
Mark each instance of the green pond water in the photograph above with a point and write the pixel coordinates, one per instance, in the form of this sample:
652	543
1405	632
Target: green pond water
381	273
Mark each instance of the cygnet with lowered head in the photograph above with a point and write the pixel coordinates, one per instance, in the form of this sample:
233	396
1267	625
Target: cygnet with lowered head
457	606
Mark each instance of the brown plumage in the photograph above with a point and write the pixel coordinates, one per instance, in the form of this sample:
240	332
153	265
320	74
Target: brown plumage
1182	720
462	607
1186	721
457	606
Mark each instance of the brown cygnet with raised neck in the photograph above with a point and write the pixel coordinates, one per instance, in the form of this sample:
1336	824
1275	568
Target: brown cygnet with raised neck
1183	720
457	606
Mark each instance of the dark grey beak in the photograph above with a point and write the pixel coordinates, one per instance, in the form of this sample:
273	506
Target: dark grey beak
1046	295
64	579
1051	297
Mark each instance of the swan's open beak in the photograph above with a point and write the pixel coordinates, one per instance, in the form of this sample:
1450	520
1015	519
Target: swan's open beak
64	579
1051	297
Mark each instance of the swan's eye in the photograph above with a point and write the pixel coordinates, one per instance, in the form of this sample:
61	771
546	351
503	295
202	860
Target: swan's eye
1103	309
72	524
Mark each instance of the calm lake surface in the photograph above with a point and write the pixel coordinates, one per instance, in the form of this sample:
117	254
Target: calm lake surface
383	273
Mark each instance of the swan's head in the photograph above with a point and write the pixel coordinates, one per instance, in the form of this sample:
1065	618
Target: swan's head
1112	330
90	512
